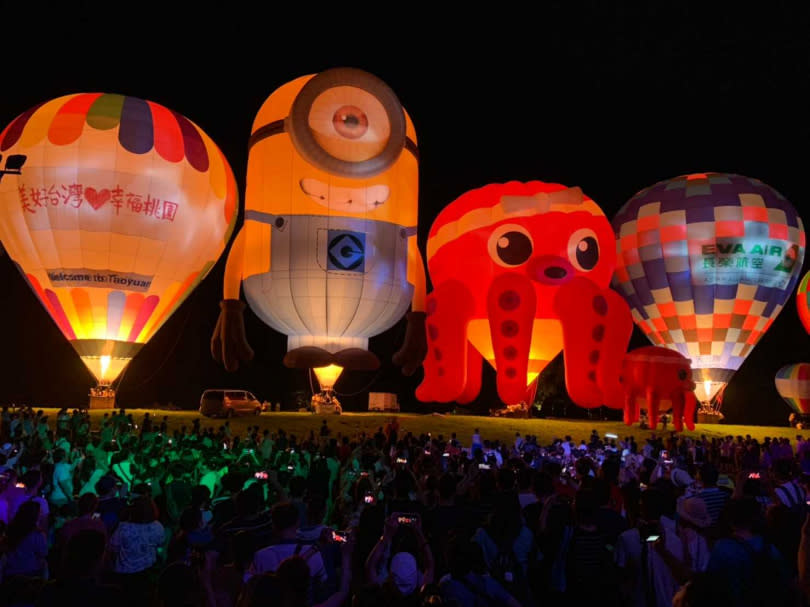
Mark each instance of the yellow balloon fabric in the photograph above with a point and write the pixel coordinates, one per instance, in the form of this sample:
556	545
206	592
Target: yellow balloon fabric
114	209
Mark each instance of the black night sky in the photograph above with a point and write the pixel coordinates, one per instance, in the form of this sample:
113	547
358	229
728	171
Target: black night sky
610	99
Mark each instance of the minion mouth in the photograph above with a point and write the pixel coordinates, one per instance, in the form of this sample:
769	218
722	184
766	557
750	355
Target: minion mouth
355	200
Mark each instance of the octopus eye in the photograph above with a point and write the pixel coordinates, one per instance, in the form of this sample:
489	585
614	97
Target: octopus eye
583	250
510	245
682	374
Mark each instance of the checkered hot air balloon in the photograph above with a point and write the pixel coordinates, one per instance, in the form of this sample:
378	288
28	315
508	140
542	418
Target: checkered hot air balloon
114	209
706	262
793	384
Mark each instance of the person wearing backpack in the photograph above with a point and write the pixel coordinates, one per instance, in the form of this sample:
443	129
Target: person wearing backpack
509	549
752	568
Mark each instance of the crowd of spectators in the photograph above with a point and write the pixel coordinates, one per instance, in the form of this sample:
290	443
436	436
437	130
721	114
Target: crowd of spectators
141	513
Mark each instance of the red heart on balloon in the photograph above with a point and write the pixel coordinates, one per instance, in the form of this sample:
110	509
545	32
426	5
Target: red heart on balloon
96	199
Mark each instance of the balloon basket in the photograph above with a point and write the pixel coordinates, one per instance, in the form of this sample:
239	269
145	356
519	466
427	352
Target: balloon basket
800	421
325	403
709	417
102	397
520	411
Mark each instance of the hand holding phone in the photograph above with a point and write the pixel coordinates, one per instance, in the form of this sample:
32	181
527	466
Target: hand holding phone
341	537
263	476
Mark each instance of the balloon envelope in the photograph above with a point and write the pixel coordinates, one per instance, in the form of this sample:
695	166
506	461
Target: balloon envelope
706	262
114	209
793	384
803	302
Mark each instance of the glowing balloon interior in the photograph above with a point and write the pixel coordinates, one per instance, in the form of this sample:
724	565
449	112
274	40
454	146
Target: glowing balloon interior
520	271
793	384
328	253
114	209
706	262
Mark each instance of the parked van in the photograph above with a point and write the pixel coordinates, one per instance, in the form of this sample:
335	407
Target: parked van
227	403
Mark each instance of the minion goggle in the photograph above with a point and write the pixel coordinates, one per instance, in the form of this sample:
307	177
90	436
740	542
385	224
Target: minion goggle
346	122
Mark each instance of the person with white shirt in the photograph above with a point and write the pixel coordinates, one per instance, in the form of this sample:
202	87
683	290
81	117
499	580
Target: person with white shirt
285	525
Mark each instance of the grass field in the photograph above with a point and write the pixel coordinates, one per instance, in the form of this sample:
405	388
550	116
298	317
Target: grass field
463	425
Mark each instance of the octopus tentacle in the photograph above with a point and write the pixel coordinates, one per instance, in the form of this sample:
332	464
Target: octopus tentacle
596	326
511	303
473	385
449	309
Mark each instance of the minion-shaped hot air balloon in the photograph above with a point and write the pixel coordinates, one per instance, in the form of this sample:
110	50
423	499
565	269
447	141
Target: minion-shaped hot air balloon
328	254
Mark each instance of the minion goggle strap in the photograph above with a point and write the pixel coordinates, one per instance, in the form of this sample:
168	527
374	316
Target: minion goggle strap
346	122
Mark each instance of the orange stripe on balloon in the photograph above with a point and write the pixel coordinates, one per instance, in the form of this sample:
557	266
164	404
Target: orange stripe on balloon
134	303
148	306
178	297
84	311
37	128
168	135
68	123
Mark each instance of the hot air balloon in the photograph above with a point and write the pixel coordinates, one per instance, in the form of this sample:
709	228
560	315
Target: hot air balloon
658	379
803	302
706	262
114	209
328	253
793	384
521	271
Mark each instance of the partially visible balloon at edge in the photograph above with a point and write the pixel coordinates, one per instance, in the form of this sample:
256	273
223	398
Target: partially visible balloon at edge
803	302
793	384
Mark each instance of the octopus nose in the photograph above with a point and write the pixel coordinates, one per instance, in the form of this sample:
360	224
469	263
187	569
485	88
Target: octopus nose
555	272
550	270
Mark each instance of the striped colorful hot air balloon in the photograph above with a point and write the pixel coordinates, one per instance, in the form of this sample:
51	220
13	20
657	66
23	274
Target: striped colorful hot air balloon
114	209
793	384
706	262
803	302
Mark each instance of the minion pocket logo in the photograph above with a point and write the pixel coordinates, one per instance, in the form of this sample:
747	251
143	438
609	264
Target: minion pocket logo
346	251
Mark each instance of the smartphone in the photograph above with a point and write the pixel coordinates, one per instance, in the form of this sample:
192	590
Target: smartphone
402	460
445	454
368	498
263	476
754	475
642	486
364	474
292	450
170	441
290	467
20	485
96	515
224	446
427	451
652	538
406	520
340	536
609	435
484	466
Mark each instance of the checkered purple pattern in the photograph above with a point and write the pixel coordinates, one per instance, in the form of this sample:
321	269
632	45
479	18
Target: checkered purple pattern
712	315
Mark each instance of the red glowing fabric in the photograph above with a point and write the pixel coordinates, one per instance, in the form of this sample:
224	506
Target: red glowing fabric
653	376
519	272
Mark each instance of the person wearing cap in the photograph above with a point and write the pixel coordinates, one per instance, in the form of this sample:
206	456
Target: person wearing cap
403	569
